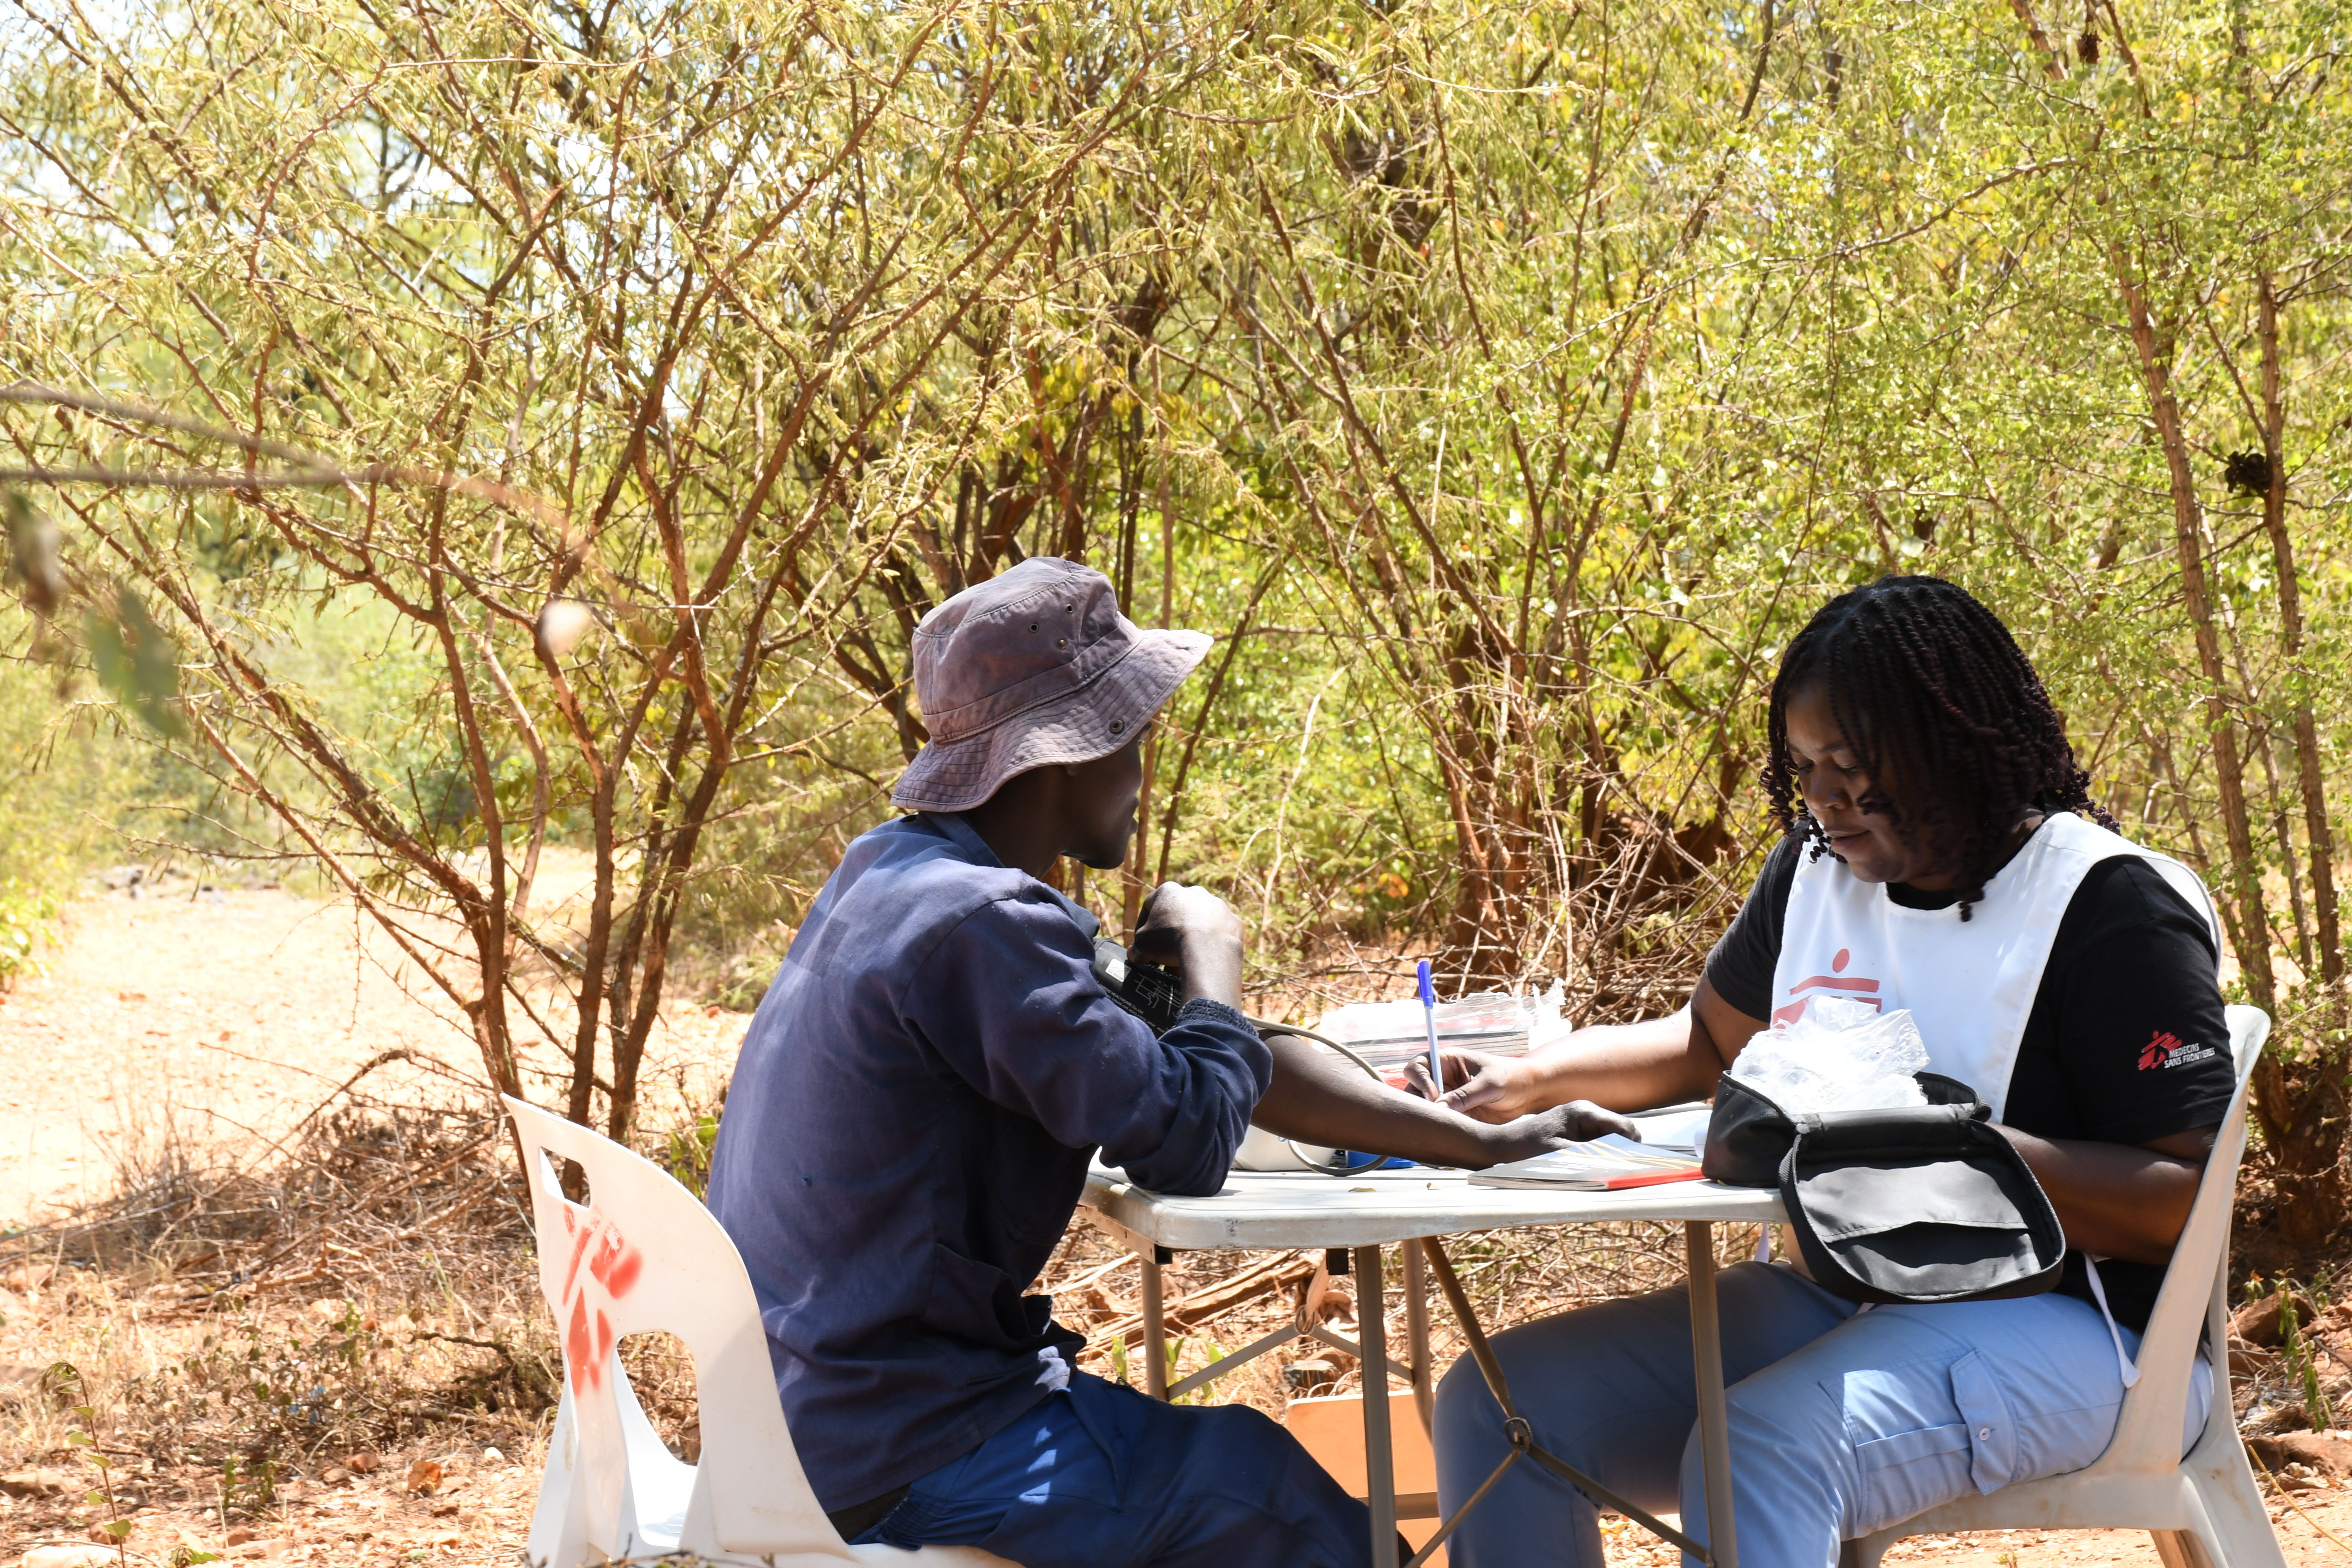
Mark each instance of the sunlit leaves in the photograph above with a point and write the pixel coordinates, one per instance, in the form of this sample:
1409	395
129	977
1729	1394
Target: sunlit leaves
135	660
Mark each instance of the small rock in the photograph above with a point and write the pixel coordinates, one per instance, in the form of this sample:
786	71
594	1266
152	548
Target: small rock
75	1556
493	1456
1311	1373
445	1511
36	1483
424	1476
2257	1323
2318	1452
333	1476
365	1463
240	1535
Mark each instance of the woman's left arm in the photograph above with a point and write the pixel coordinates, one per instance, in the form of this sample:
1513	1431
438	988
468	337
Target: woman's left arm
2117	1200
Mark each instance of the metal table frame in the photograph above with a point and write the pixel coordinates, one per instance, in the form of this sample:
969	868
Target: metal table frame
1358	1216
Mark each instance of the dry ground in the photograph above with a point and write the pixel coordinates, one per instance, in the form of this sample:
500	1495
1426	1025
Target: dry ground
221	1017
239	1276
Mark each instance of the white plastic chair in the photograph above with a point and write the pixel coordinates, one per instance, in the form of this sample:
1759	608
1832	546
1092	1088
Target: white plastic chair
2204	1510
644	1255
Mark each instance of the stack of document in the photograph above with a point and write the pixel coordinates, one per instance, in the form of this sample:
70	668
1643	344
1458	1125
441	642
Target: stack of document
1603	1164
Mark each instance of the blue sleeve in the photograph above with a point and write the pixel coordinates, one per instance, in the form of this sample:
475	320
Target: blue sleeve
1009	1000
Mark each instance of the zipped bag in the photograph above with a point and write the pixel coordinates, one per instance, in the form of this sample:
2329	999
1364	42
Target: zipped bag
1925	1202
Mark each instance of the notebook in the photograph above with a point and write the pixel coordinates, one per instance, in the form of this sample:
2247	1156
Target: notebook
1603	1164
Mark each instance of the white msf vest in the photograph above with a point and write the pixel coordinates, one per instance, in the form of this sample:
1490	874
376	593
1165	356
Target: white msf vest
1971	987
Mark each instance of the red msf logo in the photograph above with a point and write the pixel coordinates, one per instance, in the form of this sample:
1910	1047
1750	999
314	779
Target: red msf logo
2159	1051
1836	983
610	1272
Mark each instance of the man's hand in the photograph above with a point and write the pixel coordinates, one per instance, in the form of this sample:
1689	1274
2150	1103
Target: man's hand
1574	1123
1192	931
1496	1089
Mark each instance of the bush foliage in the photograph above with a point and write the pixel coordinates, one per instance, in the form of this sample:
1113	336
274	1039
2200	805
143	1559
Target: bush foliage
455	429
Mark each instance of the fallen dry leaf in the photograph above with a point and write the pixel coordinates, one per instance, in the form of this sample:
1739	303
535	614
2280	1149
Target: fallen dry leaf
424	1476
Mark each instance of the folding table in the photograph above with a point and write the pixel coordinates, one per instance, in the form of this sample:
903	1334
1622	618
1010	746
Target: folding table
1369	1210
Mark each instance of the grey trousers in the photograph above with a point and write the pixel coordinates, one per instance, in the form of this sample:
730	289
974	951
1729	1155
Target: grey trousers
1841	1422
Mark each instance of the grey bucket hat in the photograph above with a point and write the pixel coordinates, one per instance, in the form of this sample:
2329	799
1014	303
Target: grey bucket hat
1034	667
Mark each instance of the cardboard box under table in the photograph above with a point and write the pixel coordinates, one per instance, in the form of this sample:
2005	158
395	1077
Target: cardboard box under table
1414	1208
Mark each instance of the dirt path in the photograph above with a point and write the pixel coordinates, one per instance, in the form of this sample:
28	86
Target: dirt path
172	1021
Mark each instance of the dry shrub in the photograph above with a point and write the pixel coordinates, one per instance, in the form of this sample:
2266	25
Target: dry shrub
224	1330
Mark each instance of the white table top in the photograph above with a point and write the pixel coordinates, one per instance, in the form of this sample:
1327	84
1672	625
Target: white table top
1376	1207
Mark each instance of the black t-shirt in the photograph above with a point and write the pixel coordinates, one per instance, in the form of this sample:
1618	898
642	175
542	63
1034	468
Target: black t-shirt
2125	1043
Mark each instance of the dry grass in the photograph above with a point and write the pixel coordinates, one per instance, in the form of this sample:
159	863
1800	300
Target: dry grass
225	1346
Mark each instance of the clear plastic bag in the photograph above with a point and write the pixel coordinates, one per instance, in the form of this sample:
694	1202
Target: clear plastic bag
1837	1054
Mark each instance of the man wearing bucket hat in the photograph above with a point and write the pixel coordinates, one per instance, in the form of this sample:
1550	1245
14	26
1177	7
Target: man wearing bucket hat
909	1124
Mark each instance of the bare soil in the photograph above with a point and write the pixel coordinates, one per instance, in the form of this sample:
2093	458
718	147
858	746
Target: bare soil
222	1017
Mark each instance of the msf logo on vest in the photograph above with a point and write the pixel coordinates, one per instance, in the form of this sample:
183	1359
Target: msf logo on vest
1836	983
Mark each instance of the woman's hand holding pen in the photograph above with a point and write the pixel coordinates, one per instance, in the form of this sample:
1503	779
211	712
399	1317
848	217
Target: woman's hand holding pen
1485	1088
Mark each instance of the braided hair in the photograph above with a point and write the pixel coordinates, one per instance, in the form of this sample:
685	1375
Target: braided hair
1953	727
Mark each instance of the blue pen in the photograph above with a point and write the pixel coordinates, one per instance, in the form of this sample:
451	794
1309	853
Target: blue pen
1429	1017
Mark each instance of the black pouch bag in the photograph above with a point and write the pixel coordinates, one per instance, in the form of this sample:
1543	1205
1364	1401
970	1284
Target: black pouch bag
1749	1133
1917	1204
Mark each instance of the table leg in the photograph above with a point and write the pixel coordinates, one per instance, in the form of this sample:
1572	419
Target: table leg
1379	1465
1416	1328
1155	1333
1714	1432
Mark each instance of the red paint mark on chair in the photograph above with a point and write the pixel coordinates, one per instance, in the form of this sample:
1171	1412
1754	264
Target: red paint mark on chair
579	1349
615	1263
580	1245
613	1266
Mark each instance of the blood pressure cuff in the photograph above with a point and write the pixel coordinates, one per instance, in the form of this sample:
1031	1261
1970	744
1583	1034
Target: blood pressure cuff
1919	1204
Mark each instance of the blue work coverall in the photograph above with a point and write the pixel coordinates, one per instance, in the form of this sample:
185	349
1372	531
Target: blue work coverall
906	1137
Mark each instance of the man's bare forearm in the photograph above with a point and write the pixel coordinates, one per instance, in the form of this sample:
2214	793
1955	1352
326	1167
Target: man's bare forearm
1317	1097
1320	1097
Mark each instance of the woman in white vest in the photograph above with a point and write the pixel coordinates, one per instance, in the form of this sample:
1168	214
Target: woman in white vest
1942	853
